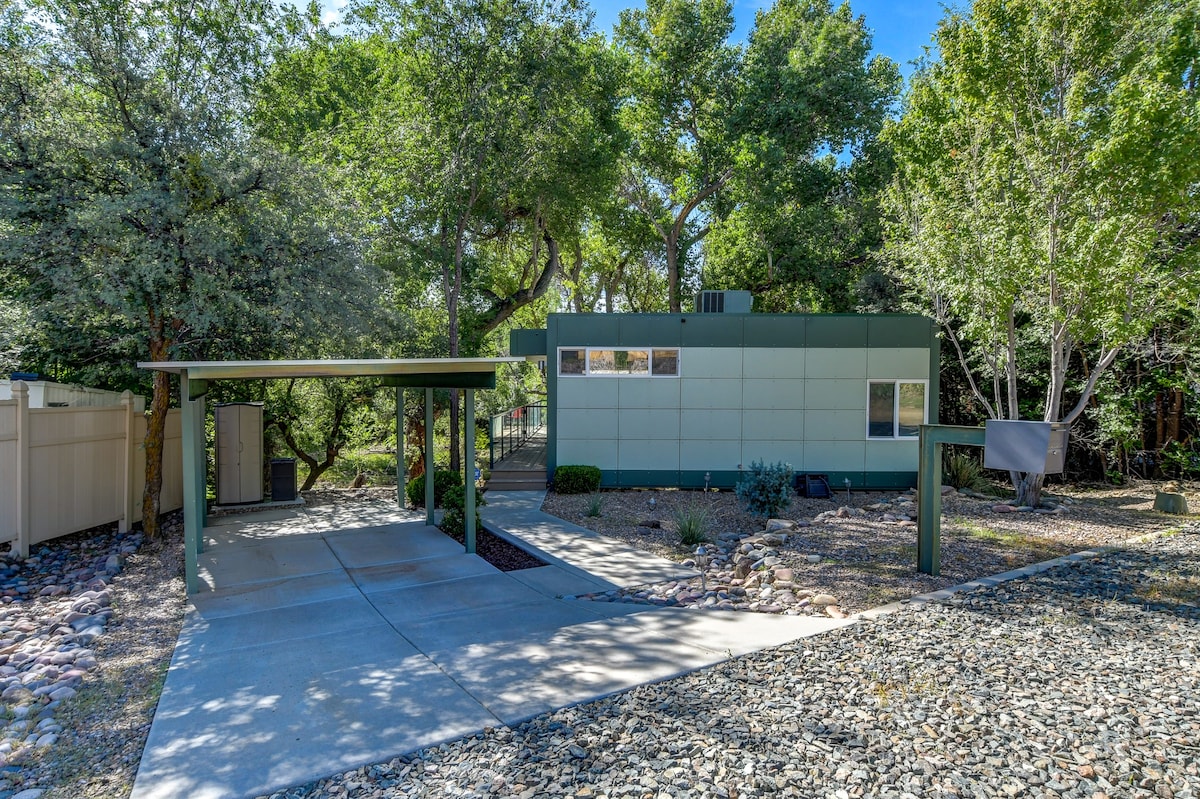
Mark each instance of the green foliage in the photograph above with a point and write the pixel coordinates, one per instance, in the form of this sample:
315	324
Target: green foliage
1180	460
576	479
595	506
766	490
1044	178
443	481
692	525
454	504
961	470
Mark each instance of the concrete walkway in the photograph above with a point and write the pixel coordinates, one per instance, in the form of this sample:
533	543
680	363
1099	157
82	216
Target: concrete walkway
328	638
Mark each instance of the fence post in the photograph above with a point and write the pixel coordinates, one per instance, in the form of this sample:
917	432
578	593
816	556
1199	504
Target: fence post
20	392
130	480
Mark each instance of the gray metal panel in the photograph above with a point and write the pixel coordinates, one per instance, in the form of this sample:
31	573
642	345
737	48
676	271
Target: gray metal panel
1025	446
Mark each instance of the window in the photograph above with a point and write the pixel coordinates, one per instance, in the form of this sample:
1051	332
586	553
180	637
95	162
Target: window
895	409
571	362
642	362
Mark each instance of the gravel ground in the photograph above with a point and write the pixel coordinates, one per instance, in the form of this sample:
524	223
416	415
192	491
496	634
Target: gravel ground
1079	682
1083	681
104	725
859	550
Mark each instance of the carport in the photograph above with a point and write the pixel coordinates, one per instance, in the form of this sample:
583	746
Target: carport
466	374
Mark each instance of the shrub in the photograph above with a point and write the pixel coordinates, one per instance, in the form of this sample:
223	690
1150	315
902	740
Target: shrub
443	480
454	520
766	490
576	479
961	471
692	526
595	505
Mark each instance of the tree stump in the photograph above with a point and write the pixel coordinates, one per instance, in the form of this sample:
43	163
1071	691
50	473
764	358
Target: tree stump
1168	502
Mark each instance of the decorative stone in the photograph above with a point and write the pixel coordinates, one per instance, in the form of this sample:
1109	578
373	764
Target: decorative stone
824	599
1168	502
1003	508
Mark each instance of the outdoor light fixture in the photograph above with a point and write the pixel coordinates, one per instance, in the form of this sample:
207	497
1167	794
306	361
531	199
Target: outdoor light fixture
702	565
653	502
847	482
707	478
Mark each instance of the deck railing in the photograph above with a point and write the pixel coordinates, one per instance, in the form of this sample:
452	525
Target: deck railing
509	430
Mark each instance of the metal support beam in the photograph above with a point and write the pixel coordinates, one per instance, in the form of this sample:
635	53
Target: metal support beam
929	488
469	469
429	456
400	448
192	516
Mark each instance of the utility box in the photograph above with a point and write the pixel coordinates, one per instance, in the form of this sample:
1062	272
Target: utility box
283	479
239	452
1021	446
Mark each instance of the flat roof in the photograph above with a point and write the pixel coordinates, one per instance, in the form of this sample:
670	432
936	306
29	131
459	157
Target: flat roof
376	367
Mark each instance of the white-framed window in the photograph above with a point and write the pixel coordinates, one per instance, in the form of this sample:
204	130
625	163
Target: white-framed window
618	361
896	408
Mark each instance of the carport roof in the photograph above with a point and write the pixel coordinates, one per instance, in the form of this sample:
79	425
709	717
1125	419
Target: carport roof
404	372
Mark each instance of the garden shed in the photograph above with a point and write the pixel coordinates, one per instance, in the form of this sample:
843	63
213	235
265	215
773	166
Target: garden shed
659	400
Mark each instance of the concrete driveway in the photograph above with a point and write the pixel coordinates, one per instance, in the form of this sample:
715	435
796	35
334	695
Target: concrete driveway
328	638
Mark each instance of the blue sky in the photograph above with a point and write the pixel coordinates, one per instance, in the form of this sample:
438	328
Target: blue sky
901	28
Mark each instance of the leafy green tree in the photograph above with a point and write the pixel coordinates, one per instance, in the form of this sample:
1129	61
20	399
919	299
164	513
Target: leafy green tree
137	201
1046	164
720	133
480	135
682	90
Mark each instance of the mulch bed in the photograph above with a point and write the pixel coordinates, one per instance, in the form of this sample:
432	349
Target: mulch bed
500	553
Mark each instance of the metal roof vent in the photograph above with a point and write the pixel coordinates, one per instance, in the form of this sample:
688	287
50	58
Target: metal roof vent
723	302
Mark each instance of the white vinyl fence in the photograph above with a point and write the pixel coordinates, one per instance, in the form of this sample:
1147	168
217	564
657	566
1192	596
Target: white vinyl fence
63	470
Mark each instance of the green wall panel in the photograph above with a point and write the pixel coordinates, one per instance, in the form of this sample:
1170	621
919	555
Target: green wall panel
708	425
649	330
828	363
842	393
715	330
710	393
718	362
825	425
899	331
647	392
771	330
579	330
890	480
777	394
760	362
897	363
587	423
835	456
527	342
836	331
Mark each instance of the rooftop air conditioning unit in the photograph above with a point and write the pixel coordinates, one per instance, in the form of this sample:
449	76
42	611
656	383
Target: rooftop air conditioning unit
723	302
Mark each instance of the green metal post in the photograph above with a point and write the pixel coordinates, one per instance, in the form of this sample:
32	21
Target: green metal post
429	456
929	504
929	488
192	529
469	468
400	447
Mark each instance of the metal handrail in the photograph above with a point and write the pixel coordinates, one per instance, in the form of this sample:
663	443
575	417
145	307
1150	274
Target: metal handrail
509	430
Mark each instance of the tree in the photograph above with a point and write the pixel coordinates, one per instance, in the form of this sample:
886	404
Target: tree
718	132
486	132
139	202
683	75
1045	165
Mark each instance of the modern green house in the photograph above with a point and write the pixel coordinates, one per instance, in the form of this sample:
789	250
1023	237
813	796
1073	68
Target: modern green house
660	400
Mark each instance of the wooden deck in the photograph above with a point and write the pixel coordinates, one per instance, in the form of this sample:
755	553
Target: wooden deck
530	457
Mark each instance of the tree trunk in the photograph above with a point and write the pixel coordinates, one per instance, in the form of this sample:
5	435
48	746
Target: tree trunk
673	272
156	425
1029	489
